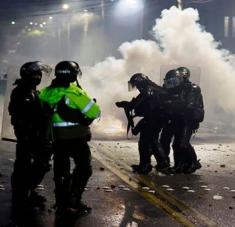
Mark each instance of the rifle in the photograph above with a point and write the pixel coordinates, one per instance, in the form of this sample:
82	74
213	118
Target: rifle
129	114
152	92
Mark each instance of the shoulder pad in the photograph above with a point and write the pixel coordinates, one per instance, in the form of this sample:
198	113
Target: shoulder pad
196	87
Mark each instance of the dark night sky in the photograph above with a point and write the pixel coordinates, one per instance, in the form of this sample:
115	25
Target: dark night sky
24	11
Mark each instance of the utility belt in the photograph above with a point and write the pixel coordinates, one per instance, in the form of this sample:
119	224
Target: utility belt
69	130
64	124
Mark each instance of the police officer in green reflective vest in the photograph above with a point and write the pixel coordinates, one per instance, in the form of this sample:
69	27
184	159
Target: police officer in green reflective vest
72	113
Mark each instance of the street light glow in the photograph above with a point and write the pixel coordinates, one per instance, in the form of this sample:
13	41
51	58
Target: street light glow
128	7
131	3
50	18
65	6
31	23
13	22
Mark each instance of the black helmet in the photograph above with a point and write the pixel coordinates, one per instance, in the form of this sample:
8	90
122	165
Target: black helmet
68	71
184	72
137	80
172	79
30	69
31	72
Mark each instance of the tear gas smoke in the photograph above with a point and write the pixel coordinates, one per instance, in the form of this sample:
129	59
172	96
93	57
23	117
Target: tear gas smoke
179	40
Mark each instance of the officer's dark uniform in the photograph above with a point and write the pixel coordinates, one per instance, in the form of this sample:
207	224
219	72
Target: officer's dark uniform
186	112
147	105
30	123
166	137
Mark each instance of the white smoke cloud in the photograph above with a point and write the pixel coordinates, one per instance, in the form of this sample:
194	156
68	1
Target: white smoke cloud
180	40
185	42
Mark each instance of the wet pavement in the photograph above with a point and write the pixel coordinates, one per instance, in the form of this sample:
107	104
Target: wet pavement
210	190
113	202
120	198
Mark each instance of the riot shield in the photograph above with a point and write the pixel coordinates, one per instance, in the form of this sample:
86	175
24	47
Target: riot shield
7	132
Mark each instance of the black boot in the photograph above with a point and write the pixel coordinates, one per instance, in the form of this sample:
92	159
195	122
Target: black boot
135	168
162	166
193	167
36	200
82	207
145	169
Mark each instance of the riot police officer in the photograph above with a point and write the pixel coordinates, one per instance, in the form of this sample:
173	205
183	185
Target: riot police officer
147	105
187	111
30	124
70	137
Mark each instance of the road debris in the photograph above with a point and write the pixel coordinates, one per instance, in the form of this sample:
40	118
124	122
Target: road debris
2	188
40	187
106	188
170	189
226	188
204	186
207	189
165	186
217	197
145	188
186	188
121	186
125	189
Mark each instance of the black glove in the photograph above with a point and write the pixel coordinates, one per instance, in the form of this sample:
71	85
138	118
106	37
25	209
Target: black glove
139	127
122	104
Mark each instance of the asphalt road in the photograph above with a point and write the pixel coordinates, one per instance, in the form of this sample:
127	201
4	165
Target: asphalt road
120	198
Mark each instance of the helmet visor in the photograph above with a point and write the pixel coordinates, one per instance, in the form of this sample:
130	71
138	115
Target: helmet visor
172	82
131	87
41	68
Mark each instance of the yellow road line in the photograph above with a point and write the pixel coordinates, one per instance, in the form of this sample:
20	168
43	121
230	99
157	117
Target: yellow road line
148	196
174	200
166	201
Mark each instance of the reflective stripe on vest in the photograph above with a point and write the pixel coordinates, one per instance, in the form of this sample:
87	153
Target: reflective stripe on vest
64	124
88	106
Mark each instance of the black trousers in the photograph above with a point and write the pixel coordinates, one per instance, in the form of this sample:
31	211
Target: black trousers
184	152
166	138
148	145
31	165
182	148
70	185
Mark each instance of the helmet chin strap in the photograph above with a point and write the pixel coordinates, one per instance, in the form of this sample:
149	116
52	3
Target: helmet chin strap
78	85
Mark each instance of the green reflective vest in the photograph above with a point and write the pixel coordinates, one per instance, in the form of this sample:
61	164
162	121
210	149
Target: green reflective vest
75	98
